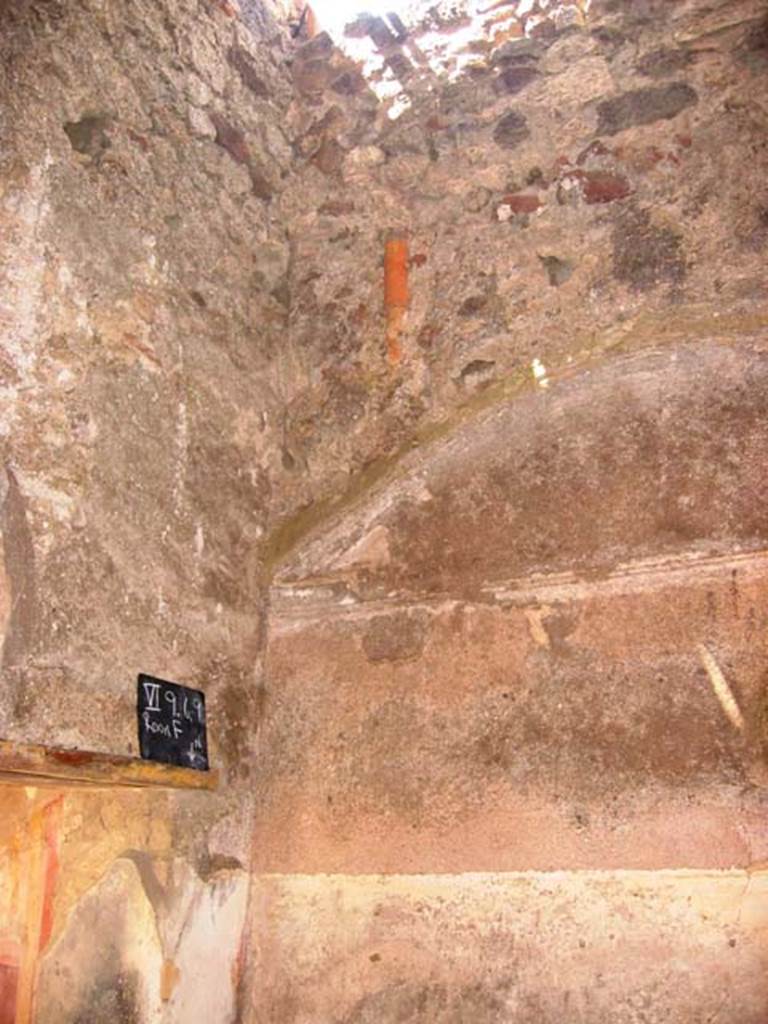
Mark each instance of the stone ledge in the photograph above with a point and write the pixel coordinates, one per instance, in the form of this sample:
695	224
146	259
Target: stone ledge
32	765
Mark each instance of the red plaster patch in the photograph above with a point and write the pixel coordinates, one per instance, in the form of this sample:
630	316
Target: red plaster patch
51	876
601	186
9	983
521	202
230	9
73	757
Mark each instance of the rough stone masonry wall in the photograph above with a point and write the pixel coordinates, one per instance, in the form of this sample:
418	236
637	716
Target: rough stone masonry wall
141	258
586	184
515	730
195	375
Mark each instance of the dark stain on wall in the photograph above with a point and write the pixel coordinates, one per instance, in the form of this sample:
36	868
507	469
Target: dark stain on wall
644	106
414	1004
395	637
644	255
20	567
112	1001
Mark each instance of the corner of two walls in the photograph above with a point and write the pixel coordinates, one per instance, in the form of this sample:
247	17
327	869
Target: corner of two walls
196	377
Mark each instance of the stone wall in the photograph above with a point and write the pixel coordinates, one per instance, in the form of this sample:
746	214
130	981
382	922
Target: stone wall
515	731
572	186
515	657
141	309
142	260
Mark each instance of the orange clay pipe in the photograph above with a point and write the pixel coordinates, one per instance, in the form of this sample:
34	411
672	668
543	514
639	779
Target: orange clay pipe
396	295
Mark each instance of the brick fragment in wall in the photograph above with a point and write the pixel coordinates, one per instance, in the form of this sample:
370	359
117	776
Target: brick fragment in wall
521	202
599	186
232	139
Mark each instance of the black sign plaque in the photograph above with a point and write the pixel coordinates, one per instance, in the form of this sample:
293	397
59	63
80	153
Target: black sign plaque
172	723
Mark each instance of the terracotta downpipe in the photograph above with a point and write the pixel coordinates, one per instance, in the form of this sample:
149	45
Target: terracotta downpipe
396	295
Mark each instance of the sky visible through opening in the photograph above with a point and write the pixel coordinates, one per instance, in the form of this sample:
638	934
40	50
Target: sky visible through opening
335	14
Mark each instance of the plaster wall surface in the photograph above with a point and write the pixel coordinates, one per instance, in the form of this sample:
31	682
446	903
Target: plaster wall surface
614	947
515	734
515	717
138	255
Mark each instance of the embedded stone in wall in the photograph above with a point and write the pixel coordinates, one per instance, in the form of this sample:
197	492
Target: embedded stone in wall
513	79
644	106
511	130
664	61
89	134
644	255
243	63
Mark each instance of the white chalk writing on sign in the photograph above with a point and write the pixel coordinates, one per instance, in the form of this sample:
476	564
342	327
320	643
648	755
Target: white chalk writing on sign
172	723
